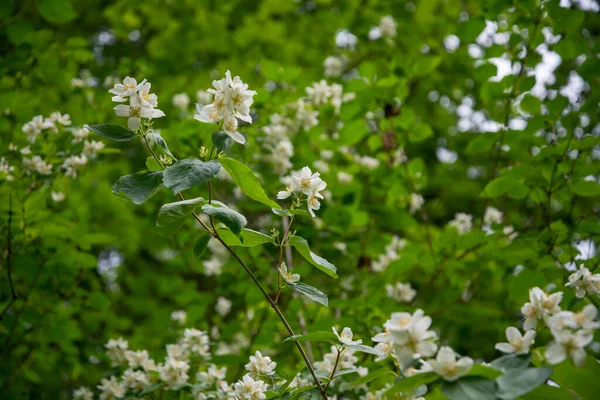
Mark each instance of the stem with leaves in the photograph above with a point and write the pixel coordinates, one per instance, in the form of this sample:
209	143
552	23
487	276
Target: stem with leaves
214	232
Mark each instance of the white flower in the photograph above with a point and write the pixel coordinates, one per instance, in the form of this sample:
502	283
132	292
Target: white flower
111	388
307	182
517	343
178	351
79	135
401	292
232	100
136	380
128	88
568	344
181	100
346	336
387	26
83	393
63	119
203	97
334	66
248	388
586	318
136	358
416	202
446	365
584	282
179	316
115	350
367	162
260	364
344	178
462	222
72	164
138	109
57	197
196	341
319	92
411	336
287	276
92	148
492	216
223	306
540	304
174	372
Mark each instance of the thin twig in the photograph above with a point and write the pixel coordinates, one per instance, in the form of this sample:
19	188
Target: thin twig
13	297
337	360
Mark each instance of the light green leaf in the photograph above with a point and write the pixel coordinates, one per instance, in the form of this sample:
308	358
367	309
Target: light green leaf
310	292
363	349
373	375
586	188
189	172
319	336
247	181
231	218
247	238
322	264
419	132
581	380
152	165
112	132
172	215
57	10
201	244
140	186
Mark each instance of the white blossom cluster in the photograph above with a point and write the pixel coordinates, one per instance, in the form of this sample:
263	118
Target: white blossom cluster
416	202
401	292
321	93
308	184
232	101
214	265
463	223
390	255
584	282
142	103
40	131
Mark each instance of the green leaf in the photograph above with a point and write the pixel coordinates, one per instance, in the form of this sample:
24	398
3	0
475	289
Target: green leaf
112	132
412	382
482	143
352	132
152	164
581	380
201	244
247	238
363	349
310	292
281	212
221	140
155	138
140	186
247	181
172	215
586	188
546	392
531	104
373	375
485	371
189	172
319	336
419	132
470	388
57	10
322	264
518	382
512	361
151	388
231	218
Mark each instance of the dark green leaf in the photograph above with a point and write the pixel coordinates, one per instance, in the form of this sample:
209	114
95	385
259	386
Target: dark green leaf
112	132
221	141
485	371
470	388
373	375
515	383
363	349
409	384
231	218
201	244
140	186
171	216
57	10
247	238
155	138
322	264
189	172
586	188
312	293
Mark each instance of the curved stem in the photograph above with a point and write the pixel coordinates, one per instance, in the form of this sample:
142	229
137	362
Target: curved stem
271	302
337	360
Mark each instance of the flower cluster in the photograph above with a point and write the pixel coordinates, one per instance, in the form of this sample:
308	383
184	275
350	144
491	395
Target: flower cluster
401	292
390	255
214	265
308	184
321	93
232	101
584	282
142	103
462	222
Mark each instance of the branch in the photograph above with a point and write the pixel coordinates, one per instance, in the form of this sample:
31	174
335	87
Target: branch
13	297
